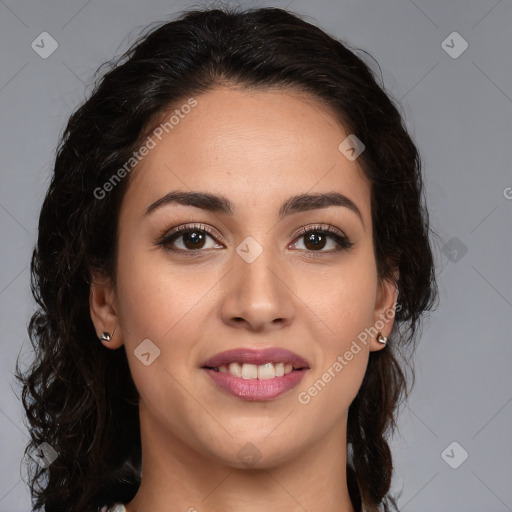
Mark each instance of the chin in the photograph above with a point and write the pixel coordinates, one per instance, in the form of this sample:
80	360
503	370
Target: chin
257	450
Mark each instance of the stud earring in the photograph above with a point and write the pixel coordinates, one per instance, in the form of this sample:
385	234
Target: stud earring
106	336
382	339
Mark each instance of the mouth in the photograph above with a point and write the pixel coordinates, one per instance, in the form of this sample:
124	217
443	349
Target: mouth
253	371
256	375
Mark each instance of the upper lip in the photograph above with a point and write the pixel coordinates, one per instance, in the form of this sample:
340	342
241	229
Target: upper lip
256	356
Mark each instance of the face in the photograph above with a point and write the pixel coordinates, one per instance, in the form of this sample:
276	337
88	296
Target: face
241	276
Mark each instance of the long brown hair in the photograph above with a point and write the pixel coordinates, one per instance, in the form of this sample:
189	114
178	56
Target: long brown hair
80	398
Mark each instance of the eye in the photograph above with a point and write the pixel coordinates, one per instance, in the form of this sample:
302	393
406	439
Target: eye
193	237
318	237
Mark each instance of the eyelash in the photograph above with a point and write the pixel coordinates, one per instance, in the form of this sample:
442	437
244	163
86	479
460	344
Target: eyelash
342	241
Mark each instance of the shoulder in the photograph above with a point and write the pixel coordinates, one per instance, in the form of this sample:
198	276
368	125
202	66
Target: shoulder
380	508
117	507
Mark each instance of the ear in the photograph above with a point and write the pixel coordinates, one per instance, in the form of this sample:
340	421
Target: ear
385	307
103	310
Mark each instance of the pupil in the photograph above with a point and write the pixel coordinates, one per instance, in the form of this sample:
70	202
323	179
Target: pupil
195	238
310	239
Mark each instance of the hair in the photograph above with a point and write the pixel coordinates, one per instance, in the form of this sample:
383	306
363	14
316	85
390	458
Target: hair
80	398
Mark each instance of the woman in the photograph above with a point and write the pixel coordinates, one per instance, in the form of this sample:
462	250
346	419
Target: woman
232	252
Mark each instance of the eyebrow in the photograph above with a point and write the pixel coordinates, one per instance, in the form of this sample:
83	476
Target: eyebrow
220	204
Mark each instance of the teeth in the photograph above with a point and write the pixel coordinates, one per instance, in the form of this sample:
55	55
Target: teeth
253	371
249	371
235	369
266	371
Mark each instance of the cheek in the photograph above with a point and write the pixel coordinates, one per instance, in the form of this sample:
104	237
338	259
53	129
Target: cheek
169	307
163	306
342	356
343	303
342	298
156	299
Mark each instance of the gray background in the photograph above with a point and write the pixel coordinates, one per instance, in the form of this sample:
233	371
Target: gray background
459	111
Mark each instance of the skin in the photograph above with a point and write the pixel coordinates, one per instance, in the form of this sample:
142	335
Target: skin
257	149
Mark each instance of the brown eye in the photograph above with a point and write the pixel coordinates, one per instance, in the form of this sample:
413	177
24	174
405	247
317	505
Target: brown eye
317	238
188	239
196	239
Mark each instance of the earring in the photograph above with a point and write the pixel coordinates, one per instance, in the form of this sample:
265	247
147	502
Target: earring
382	339
106	336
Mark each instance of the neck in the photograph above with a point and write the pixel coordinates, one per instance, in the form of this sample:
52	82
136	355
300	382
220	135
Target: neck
176	477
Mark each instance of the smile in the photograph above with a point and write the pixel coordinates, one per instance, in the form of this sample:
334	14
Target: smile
253	371
256	374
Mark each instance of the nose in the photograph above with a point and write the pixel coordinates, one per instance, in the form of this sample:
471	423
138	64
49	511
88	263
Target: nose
259	295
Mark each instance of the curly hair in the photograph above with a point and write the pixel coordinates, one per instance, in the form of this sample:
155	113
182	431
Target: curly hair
80	398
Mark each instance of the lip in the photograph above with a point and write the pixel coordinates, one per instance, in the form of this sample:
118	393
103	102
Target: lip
256	356
256	389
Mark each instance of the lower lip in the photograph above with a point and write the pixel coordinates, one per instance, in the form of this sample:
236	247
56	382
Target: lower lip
256	389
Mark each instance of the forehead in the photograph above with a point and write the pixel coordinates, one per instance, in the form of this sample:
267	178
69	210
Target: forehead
257	147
